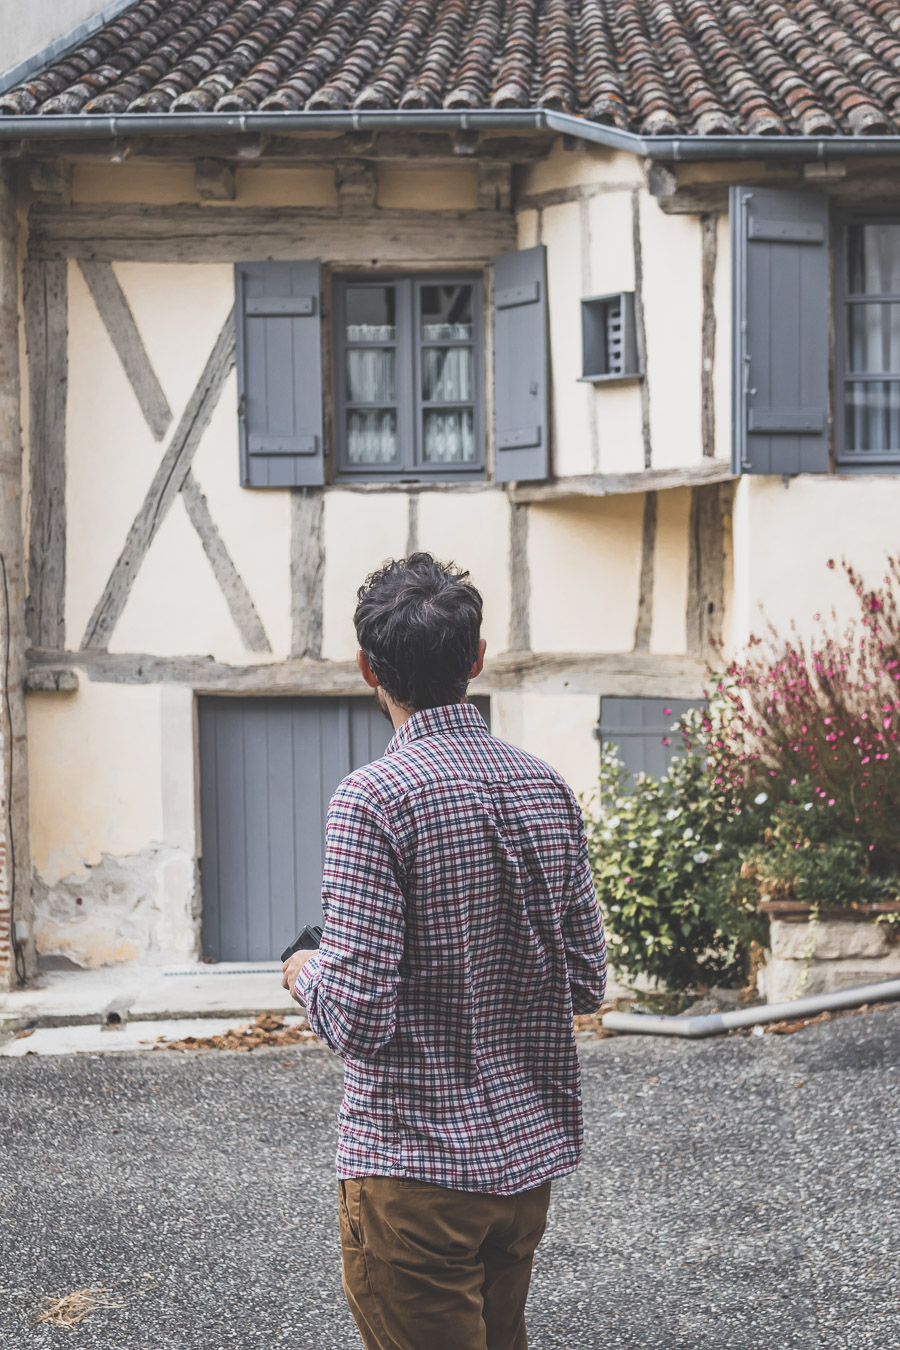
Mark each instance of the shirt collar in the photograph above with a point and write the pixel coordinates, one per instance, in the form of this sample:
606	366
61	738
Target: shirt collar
460	719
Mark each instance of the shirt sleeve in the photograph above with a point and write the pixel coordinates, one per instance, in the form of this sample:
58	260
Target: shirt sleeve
583	936
350	986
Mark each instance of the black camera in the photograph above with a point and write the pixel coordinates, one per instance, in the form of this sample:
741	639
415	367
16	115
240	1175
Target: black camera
305	941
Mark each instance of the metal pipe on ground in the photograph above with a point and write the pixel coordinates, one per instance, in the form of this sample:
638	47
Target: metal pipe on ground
714	1024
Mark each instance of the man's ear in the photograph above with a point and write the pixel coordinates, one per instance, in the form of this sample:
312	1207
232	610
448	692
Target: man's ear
366	670
479	660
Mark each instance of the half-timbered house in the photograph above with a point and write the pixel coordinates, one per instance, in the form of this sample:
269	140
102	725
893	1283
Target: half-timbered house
597	297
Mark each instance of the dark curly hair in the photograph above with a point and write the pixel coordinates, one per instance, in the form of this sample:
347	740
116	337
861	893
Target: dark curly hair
418	622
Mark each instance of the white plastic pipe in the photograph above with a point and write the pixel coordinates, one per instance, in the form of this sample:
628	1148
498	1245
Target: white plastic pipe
713	1024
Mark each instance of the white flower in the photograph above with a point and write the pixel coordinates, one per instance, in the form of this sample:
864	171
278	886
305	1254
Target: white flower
688	834
614	822
675	811
761	797
718	848
654	834
701	857
808	806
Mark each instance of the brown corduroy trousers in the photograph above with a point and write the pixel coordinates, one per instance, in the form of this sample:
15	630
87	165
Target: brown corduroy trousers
427	1268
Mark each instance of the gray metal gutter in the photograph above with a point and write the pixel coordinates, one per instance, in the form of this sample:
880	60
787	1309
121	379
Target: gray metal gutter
676	148
715	1024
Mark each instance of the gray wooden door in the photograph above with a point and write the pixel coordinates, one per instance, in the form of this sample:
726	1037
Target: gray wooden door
268	767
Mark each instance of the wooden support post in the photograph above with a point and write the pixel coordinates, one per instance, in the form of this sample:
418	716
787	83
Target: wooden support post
706	571
167	483
16	952
644	622
494	186
46	336
519	639
709	226
307	564
118	319
355	182
231	583
214	180
51	180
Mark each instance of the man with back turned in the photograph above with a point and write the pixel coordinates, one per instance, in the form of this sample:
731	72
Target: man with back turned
461	932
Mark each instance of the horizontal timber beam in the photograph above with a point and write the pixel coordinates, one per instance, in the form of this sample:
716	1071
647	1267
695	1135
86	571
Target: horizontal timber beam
110	232
612	484
627	673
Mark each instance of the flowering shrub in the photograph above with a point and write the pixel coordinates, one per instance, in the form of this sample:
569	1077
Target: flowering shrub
820	721
666	856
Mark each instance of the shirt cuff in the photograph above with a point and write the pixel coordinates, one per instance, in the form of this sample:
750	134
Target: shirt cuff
305	978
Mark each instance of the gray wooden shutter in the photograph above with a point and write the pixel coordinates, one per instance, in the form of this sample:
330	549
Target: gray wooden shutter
521	423
279	363
639	728
780	260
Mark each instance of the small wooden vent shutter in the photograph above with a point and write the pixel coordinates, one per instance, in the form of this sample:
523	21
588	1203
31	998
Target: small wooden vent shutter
521	424
279	363
782	320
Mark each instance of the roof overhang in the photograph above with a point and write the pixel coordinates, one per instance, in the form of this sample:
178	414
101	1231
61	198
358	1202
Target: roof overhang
675	148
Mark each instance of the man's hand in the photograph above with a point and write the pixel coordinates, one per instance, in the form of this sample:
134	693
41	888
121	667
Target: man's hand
291	969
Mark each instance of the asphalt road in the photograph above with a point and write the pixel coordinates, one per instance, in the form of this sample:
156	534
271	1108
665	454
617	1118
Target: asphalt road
737	1194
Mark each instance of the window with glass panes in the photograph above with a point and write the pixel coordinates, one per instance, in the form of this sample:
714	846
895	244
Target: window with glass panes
868	342
409	377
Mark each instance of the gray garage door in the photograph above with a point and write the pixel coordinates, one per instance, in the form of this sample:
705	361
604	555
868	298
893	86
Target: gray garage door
268	767
639	727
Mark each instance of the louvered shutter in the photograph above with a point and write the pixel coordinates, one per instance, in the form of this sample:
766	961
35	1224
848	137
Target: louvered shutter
521	423
781	341
638	728
279	363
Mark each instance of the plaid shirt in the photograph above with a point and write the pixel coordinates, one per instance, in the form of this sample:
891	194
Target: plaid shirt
461	932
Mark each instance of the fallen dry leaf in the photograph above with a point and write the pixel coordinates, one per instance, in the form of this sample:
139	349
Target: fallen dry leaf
69	1309
267	1029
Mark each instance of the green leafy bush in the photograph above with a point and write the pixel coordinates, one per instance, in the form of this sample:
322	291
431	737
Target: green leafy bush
667	856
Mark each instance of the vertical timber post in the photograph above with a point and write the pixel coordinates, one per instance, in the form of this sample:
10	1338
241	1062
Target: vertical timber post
16	941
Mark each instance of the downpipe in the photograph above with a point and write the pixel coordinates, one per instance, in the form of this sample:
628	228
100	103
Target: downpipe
714	1024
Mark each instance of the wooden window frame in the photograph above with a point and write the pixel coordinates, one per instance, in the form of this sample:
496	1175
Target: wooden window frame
409	401
854	461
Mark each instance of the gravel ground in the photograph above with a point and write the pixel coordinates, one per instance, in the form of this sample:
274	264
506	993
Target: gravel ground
736	1194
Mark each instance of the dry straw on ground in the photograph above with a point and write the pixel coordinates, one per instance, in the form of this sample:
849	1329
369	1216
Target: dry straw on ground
69	1309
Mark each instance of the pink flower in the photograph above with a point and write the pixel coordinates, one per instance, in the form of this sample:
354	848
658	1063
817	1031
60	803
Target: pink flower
667	712
666	740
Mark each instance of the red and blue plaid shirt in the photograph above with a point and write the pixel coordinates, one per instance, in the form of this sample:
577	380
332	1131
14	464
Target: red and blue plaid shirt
461	932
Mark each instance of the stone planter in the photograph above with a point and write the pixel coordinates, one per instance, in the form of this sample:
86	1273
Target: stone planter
837	949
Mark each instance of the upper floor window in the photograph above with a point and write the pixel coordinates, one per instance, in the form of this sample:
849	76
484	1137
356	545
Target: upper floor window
409	377
868	343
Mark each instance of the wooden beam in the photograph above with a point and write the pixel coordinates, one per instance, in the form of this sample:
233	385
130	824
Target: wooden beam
494	186
50	179
709	237
46	334
231	583
644	621
51	680
188	233
118	320
580	192
214	180
706	572
412	524
612	484
167	483
629	673
307	566
519	638
354	182
640	330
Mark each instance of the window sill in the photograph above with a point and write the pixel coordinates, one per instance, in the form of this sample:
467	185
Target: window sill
632	377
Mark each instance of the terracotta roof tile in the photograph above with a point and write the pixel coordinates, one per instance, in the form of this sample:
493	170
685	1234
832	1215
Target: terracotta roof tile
701	67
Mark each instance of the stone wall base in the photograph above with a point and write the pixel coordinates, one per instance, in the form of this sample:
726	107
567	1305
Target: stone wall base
809	957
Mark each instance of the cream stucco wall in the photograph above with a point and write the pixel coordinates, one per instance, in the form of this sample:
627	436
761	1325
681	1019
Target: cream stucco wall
112	822
472	529
558	728
670	577
584	559
784	537
360	532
